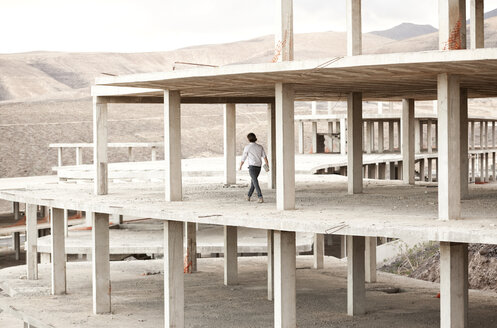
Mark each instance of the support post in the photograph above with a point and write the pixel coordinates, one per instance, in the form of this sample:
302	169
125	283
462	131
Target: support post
429	138
230	255
452	16
343	136
356	289
314	133
354	28
463	107
381	138
418	136
79	156
229	144
101	263
100	160
477	24
58	252
391	145
174	290
285	152
408	140
285	306
191	247
318	251
283	39
354	138
172	145
31	242
453	285
301	137
270	265
271	145
370	254
16	241
449	161
59	156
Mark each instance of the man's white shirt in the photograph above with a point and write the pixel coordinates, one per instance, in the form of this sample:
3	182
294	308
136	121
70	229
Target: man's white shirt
253	154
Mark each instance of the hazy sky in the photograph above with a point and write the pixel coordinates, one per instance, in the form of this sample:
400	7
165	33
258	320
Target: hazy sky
157	25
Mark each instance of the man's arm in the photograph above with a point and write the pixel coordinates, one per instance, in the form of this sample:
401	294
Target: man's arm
241	164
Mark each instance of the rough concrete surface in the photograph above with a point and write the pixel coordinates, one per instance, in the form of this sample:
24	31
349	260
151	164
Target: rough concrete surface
137	296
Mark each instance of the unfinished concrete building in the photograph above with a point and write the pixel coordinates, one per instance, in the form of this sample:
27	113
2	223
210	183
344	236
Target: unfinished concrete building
451	75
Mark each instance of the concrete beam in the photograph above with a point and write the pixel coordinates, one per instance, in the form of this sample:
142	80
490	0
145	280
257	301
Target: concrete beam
453	285
172	146
452	24
370	260
354	28
174	289
354	142
285	296
463	107
270	265
283	38
477	24
271	145
58	252
318	251
229	144
191	247
356	289
408	140
101	263
31	242
285	152
100	159
230	255
449	175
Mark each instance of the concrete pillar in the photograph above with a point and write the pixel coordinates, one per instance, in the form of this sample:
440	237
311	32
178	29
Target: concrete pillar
482	133
354	28
391	145
230	255
314	134
493	134
229	144
381	138
422	170
66	222
79	156
463	107
354	138
59	157
58	252
330	132
284	280
191	247
314	107
382	171
408	140
473	135
100	146
370	259
301	137
16	211
172	145
369	137
271	145
285	152
430	170
449	184
356	289
154	154
343	136
283	37
486	168
16	242
477	24
453	285
418	136
391	170
174	290
452	19
101	263
270	265
131	158
31	242
399	136
318	251
429	137
494	178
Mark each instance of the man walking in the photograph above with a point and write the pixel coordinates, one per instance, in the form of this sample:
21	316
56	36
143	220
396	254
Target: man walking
253	154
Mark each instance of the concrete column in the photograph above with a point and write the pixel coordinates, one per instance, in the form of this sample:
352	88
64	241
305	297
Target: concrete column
369	137
16	211
381	138
356	289
283	37
493	134
486	135
418	136
58	252
486	168
174	290
452	16
391	145
354	137
482	133
370	259
477	24
422	170
399	136
494	178
301	137
131	158
154	154
172	145
318	251
453	285
463	107
101	263
270	265
391	170
343	136
230	255
354	28
314	133
59	156
382	171
330	132
285	152
314	107
408	140
284	280
31	242
229	144
191	247
100	146
271	145
16	241
429	138
472	138
449	160
66	222
482	167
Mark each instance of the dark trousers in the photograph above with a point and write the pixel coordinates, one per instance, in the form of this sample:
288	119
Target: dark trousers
254	173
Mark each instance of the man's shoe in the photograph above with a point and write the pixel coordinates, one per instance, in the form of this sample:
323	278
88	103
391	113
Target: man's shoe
261	200
247	198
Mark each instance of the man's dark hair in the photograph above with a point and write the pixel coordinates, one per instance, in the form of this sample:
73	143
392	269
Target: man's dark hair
251	137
